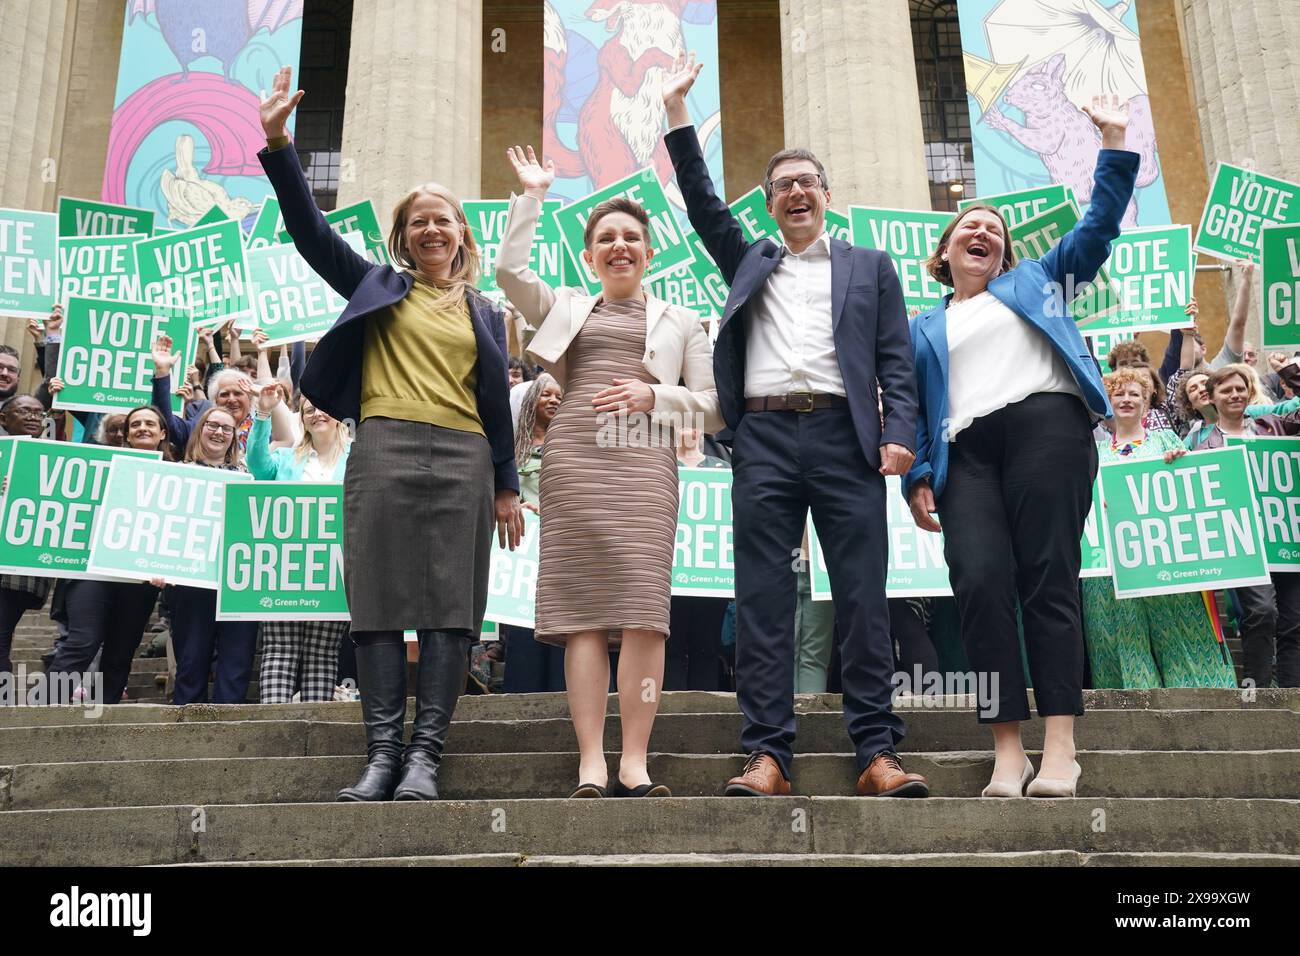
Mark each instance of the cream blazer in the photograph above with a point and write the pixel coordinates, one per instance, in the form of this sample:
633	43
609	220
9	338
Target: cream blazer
676	346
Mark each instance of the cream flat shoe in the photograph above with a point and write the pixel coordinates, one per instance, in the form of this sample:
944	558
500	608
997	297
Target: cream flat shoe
1048	787
995	789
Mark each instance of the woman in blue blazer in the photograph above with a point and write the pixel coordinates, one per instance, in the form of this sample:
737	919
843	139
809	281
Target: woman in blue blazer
1005	456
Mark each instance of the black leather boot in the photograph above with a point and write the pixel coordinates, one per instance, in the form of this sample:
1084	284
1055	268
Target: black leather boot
381	677
444	663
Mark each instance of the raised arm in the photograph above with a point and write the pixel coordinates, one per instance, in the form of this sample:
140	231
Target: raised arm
1234	339
164	360
325	251
531	297
258	456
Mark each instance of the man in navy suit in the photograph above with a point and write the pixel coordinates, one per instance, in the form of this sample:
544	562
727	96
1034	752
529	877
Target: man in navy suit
810	327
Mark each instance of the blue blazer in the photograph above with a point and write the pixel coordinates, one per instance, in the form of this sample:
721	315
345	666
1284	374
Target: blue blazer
1027	291
332	379
867	315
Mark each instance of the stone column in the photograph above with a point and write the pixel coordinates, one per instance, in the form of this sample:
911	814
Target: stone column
414	100
849	81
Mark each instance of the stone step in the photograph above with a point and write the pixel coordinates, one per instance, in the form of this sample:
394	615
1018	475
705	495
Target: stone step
928	730
711	825
246	780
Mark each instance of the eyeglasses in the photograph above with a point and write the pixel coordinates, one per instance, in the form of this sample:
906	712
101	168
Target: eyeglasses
9	370
806	181
36	413
219	429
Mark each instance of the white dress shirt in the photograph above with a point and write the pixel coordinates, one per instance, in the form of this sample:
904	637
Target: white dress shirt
314	469
789	341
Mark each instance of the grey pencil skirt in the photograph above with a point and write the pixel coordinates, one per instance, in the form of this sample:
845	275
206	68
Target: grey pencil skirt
418	522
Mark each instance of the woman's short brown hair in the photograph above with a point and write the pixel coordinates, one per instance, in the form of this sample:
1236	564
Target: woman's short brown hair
617	204
937	265
1248	376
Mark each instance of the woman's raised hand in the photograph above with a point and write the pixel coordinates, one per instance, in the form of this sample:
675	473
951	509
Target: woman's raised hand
276	108
1110	116
268	396
535	178
163	357
678	81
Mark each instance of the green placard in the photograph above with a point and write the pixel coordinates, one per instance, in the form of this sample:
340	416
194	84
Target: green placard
291	303
267	227
512	578
201	270
215	214
838	225
1103	342
1034	237
698	286
671	250
6	443
282	552
909	236
106	361
47	514
487	220
161	519
755	221
359	217
1275	472
1280	270
1152	270
89	217
704	563
1023	204
98	267
1240	203
1093	551
1192	525
28	256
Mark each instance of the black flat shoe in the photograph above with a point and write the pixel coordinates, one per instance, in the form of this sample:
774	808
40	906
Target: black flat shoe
588	790
644	790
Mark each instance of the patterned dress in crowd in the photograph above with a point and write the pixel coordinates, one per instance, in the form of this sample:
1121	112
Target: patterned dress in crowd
609	514
1166	640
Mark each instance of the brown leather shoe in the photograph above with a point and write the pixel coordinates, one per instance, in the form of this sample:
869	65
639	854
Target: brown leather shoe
761	778
885	777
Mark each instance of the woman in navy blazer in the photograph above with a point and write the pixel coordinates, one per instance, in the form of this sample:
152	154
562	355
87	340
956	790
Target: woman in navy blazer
1005	455
418	359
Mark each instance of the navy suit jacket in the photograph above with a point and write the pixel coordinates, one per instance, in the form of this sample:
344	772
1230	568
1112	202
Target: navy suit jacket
332	379
869	322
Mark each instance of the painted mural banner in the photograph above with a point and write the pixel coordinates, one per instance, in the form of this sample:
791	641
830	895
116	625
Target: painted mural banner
909	236
1280	270
89	217
28	257
1192	525
487	220
1241	202
704	560
185	131
200	270
1152	270
358	217
1275	473
282	552
98	267
291	303
1016	207
512	578
55	490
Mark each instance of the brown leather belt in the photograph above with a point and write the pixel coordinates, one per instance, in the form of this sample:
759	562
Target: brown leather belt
796	402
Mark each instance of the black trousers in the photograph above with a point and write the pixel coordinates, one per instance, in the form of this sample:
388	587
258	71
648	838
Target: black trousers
784	464
1270	631
531	667
13	605
693	655
104	615
1018	492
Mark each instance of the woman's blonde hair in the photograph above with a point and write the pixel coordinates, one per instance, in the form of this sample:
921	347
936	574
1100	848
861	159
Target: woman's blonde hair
306	443
233	454
464	268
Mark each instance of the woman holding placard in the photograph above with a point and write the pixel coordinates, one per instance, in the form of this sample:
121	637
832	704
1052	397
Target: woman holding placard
298	653
21	416
1009	393
609	501
418	357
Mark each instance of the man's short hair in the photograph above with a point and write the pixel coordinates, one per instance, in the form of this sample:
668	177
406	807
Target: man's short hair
789	154
1131	352
10	350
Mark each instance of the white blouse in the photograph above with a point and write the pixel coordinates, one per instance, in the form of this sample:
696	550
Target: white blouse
995	359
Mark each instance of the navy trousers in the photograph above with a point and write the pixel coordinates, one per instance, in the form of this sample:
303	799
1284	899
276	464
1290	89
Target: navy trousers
785	463
195	634
107	616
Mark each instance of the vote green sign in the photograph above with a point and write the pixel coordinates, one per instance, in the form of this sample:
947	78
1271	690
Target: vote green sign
755	221
1152	271
28	254
1033	238
909	236
55	489
98	267
200	270
1275	472
267	226
1191	525
1240	204
671	250
512	578
282	552
1103	342
698	286
704	562
6	442
838	226
1094	553
1280	268
487	220
89	217
359	217
160	519
291	303
1023	204
106	361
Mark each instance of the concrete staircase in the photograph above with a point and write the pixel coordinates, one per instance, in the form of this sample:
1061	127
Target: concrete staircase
1169	777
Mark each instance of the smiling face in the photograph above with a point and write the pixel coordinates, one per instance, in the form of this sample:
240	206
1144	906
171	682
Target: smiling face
618	253
433	234
114	430
144	430
232	397
24	416
10	369
1231	396
975	250
1197	394
548	403
216	435
316	421
800	212
1129	401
